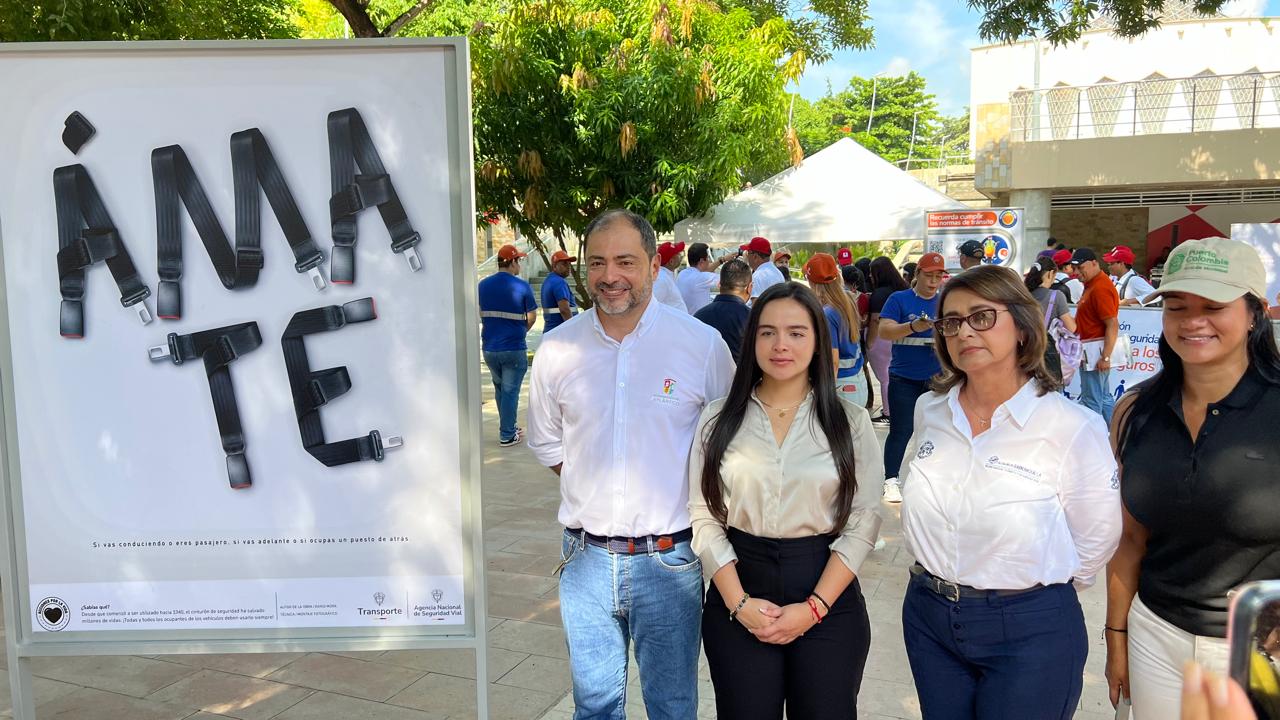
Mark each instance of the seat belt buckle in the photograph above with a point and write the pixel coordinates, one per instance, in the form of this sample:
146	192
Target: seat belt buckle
144	313
71	320
169	351
381	445
317	278
342	265
238	472
407	246
169	300
138	301
361	310
413	259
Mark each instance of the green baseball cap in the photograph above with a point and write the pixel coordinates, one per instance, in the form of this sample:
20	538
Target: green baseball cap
1215	268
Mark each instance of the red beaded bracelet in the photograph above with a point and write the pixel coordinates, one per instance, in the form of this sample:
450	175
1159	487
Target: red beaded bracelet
813	607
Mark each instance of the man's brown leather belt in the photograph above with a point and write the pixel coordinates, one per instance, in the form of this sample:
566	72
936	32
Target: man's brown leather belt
633	545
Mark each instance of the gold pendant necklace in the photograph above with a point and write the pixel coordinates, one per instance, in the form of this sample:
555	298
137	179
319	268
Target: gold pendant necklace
782	412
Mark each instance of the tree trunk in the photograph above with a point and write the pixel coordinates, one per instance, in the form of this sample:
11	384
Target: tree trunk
357	16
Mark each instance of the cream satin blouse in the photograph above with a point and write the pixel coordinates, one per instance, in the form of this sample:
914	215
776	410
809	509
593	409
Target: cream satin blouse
786	491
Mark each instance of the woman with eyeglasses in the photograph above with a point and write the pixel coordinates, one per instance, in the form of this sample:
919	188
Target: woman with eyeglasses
1011	505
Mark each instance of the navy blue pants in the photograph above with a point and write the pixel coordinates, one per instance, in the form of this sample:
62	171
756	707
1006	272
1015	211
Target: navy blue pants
903	394
1019	657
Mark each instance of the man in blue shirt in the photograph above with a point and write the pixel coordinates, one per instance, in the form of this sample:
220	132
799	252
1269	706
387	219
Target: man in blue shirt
558	303
728	312
907	321
507	311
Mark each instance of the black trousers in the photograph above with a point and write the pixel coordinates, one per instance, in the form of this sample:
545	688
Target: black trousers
816	676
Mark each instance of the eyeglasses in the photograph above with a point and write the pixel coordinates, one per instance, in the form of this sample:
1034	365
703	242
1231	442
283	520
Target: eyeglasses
981	321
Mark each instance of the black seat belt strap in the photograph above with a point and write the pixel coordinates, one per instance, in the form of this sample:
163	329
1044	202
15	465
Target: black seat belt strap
218	348
252	166
87	235
314	389
350	145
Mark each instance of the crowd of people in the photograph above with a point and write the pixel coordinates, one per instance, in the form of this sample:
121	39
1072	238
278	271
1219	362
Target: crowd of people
722	482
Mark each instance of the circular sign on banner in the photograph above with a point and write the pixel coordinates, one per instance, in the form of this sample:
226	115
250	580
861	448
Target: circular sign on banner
996	250
1008	218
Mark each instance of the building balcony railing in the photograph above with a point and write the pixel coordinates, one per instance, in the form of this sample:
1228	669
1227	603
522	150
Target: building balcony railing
1154	106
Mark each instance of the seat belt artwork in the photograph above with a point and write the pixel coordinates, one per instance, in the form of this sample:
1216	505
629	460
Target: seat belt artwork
218	348
314	389
86	236
76	131
350	145
254	173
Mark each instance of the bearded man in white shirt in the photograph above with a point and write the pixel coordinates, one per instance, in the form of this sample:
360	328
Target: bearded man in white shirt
614	401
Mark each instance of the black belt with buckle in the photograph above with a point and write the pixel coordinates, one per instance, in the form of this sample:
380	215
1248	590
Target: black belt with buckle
954	592
633	545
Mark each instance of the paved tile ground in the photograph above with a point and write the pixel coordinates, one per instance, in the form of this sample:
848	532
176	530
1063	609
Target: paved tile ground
528	673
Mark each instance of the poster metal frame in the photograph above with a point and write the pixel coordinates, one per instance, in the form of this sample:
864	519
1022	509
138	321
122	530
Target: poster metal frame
20	641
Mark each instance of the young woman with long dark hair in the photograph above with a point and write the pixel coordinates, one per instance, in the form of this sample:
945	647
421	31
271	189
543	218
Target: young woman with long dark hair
783	495
1199	455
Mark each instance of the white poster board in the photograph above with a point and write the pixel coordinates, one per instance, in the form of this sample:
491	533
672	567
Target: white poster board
1143	327
119	512
1001	232
1265	237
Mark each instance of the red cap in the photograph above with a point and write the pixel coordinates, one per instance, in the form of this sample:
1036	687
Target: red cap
1121	254
783	253
1062	257
930	262
758	245
561	255
821	269
510	252
844	256
667	250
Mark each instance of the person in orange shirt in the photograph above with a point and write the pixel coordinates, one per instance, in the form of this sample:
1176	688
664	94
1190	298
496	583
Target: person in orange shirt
1097	321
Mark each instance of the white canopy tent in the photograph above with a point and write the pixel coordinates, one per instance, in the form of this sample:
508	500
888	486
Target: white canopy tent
841	194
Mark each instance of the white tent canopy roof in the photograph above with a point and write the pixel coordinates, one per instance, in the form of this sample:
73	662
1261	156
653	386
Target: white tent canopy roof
841	194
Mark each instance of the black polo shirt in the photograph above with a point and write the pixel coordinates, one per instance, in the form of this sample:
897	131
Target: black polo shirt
728	314
1212	507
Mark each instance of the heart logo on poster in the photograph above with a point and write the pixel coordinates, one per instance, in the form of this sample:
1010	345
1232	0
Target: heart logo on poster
53	614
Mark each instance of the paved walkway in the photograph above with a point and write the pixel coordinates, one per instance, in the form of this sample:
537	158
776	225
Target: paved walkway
529	673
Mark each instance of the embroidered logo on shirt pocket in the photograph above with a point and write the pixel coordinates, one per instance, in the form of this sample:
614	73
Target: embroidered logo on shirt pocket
995	463
926	449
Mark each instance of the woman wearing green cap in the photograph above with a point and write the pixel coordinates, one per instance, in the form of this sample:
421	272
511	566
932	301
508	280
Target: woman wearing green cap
1199	453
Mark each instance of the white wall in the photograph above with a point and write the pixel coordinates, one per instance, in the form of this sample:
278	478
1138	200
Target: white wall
1180	49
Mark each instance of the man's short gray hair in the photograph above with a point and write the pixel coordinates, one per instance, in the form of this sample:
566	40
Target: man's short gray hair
648	238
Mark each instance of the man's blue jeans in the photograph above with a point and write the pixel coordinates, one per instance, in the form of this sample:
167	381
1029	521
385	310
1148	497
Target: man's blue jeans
654	599
507	368
1095	393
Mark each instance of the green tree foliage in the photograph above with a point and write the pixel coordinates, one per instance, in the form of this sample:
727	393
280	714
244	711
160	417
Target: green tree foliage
1060	21
581	105
146	20
898	102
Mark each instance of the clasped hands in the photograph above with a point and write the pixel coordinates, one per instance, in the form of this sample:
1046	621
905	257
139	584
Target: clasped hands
776	625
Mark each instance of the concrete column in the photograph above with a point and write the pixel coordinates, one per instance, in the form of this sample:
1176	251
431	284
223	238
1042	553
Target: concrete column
1036	206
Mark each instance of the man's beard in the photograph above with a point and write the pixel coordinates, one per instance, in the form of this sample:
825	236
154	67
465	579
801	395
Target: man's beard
622	305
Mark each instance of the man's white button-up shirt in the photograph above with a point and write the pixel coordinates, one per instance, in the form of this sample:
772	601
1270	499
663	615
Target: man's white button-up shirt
620	416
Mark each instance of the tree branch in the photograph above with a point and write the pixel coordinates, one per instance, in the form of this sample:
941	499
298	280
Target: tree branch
357	17
406	17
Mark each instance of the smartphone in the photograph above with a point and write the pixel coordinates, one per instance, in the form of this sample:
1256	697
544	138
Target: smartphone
1253	637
